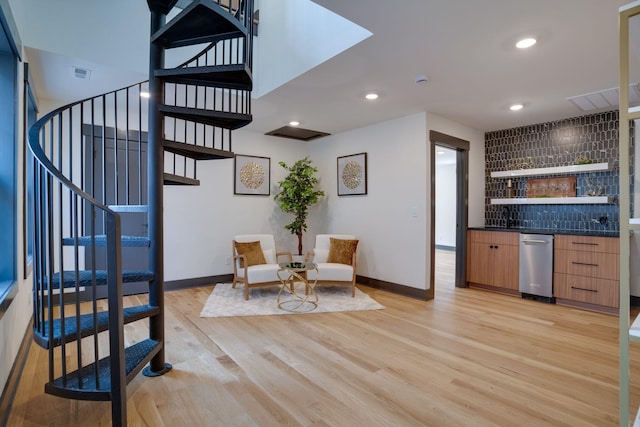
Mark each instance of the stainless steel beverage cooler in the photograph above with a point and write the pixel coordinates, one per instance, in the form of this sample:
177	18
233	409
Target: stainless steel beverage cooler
536	267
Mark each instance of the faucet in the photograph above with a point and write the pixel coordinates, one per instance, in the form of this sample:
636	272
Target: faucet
506	213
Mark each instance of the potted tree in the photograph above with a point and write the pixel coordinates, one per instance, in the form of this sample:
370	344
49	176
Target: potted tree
297	194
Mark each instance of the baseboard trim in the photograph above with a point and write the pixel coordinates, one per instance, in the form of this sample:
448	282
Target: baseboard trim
587	306
196	282
11	387
407	291
505	291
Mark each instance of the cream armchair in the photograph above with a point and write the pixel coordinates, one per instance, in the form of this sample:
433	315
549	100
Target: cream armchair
336	260
255	261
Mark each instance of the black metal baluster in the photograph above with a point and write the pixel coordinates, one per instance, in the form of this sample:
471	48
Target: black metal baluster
140	177
76	258
116	176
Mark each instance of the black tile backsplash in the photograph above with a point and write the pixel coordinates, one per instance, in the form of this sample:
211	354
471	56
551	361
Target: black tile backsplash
561	143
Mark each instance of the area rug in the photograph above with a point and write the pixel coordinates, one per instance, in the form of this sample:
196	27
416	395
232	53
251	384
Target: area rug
226	301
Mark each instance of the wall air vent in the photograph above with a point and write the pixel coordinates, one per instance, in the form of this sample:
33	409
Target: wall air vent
297	133
608	98
81	73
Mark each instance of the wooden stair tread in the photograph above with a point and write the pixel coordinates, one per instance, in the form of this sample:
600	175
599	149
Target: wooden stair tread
200	22
83	384
233	76
87	327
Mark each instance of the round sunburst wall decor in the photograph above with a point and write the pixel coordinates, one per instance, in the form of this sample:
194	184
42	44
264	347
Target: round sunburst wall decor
352	175
252	175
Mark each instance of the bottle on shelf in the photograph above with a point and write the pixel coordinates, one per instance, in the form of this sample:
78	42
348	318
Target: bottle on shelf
510	190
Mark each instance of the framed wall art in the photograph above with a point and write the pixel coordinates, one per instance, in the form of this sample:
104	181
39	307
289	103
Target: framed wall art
252	175
352	174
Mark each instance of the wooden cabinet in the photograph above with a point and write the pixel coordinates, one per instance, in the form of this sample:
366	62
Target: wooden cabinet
492	260
586	272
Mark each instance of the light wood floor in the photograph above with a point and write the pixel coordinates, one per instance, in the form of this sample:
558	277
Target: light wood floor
467	358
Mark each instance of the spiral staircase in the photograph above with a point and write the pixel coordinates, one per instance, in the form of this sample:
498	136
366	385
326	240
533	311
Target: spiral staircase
98	160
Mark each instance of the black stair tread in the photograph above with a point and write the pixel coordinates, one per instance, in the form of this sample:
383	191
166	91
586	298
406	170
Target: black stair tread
85	277
197	152
81	384
162	6
101	240
221	119
87	327
200	22
234	76
171	179
129	208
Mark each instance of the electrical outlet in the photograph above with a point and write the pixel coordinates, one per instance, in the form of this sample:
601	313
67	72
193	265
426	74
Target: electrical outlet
227	260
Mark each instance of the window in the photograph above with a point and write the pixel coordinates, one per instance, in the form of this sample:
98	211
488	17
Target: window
30	117
8	153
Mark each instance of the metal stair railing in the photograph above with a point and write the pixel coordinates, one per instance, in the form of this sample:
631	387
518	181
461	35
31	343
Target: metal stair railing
89	162
235	51
77	150
60	273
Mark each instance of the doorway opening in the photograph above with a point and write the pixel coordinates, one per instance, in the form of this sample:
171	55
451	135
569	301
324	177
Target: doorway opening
449	211
445	222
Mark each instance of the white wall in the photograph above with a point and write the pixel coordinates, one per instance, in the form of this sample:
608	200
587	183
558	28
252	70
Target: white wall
200	222
82	29
392	246
446	191
287	29
394	242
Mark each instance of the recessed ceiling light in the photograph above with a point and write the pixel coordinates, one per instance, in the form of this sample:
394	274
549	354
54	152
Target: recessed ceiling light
294	123
145	94
371	96
516	107
525	43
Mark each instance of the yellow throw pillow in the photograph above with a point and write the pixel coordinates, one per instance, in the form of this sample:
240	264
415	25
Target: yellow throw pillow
341	251
252	251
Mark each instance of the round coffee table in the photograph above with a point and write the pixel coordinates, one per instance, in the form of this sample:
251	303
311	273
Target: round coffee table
290	298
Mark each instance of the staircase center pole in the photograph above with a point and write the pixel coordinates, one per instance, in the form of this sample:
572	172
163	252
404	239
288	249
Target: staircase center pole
155	200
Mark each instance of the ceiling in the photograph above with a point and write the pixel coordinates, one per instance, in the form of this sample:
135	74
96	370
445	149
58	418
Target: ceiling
465	48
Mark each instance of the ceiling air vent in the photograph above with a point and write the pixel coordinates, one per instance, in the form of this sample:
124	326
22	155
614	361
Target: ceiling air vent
81	73
608	98
297	133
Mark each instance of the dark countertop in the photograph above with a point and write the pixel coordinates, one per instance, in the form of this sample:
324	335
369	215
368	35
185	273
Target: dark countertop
602	233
